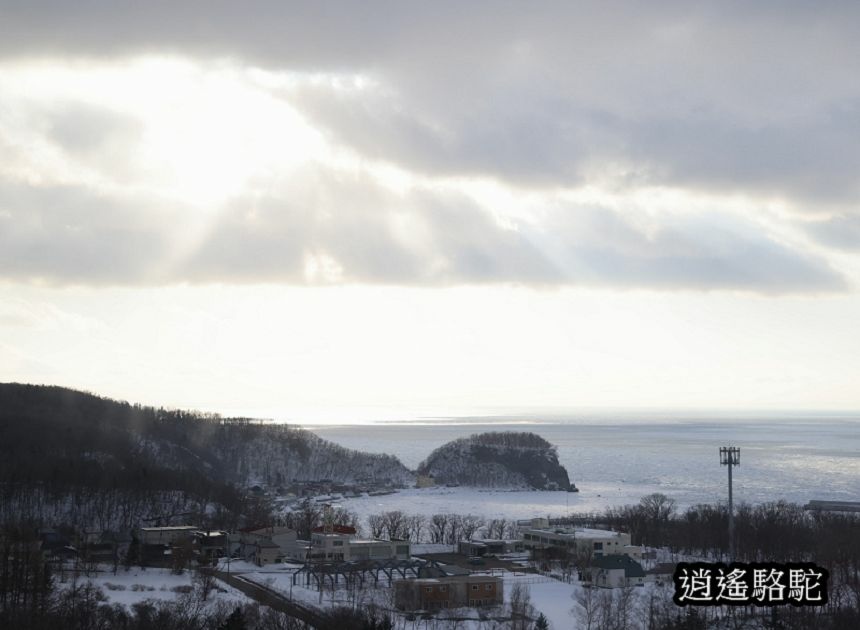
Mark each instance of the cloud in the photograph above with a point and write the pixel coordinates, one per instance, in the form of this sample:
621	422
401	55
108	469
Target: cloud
72	235
840	232
322	226
698	252
736	97
366	234
98	136
738	100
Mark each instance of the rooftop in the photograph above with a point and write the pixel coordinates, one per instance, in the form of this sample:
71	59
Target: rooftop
576	532
613	561
174	528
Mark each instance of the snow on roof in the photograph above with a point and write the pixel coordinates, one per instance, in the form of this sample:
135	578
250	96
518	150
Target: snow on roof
168	529
587	532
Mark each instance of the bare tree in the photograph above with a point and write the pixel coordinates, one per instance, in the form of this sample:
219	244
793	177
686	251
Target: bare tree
658	507
204	583
454	535
624	607
469	525
415	525
348	518
520	605
585	608
496	528
376	523
305	519
394	523
438	528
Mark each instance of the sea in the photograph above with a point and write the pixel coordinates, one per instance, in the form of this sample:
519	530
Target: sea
617	459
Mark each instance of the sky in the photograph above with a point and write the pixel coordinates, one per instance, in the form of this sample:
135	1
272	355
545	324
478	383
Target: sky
351	211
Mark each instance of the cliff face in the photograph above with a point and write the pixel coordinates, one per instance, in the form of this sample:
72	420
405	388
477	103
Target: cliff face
498	460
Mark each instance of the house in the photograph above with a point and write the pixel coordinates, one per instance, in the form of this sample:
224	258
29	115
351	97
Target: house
448	592
661	573
260	552
580	540
616	570
267	545
266	552
284	537
89	536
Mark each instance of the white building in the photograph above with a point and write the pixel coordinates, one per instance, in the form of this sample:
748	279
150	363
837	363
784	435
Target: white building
342	547
283	537
616	571
580	540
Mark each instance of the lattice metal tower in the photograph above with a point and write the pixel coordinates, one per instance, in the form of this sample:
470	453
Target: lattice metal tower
730	456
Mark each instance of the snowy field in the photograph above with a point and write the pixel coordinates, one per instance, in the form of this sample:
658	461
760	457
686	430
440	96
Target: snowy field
137	585
553	598
794	458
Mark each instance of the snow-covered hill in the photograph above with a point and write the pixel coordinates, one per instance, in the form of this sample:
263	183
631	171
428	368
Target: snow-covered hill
65	438
498	460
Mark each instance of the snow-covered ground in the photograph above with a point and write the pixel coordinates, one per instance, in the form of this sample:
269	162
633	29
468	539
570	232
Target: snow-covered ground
613	463
548	596
553	598
137	585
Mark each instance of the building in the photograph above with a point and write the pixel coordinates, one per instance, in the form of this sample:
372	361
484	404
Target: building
342	547
448	592
615	571
165	535
580	540
425	481
329	546
266	552
661	573
284	537
832	506
210	544
487	547
121	540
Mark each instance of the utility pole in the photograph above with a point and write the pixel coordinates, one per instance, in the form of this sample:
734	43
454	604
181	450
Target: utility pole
730	456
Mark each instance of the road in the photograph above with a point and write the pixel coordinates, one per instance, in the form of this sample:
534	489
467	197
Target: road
272	598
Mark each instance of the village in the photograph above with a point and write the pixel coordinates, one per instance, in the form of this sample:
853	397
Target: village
336	565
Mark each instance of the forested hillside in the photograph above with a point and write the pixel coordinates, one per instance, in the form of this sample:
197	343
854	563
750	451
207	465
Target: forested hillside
498	459
61	449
